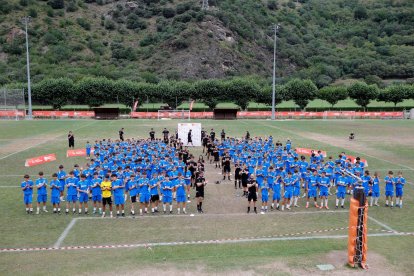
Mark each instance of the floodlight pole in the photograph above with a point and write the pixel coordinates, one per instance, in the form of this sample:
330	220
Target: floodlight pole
276	27
25	21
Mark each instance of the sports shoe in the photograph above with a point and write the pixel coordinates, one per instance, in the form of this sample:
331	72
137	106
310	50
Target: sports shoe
326	207
86	213
336	207
184	212
342	206
296	205
27	211
271	207
103	215
37	212
117	215
288	208
386	205
123	214
320	207
59	212
171	212
46	211
255	211
376	204
111	216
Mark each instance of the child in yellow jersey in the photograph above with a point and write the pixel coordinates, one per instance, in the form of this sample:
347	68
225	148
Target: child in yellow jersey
106	187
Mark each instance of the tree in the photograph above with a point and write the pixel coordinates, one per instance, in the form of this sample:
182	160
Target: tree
333	94
360	13
241	91
168	12
300	91
265	95
362	93
209	92
54	92
96	91
395	94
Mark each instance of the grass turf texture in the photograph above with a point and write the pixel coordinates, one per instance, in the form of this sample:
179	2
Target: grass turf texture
385	144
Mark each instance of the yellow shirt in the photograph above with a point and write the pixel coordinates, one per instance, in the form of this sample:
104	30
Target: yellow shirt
105	191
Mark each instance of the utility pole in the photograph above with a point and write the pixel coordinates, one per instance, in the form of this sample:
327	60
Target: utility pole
26	20
204	5
276	27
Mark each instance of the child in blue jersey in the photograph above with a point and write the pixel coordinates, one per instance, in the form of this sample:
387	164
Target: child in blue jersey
155	197
96	192
312	188
389	188
144	194
118	188
180	189
287	196
132	187
41	185
260	175
55	193
264	189
296	187
366	183
167	189
399	189
375	189
62	177
88	150
83	190
72	192
27	188
324	184
276	191
187	179
341	184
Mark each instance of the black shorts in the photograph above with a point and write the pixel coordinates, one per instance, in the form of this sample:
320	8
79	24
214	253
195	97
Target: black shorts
72	144
133	199
107	200
155	198
226	169
200	194
244	184
237	177
216	159
252	196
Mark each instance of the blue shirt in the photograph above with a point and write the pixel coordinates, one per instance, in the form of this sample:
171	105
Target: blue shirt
324	183
165	187
83	186
389	183
180	187
120	190
143	184
55	185
96	188
43	189
154	186
341	183
132	186
71	186
313	181
399	182
29	190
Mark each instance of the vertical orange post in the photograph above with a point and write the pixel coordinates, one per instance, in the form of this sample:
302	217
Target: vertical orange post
357	233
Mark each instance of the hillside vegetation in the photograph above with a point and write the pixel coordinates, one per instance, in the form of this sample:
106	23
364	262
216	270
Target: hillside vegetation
150	40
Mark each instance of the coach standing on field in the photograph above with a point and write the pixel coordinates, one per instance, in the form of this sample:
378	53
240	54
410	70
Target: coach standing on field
71	140
121	134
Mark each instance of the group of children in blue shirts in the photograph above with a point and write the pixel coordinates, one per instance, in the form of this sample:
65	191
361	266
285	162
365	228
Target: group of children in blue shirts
267	167
144	170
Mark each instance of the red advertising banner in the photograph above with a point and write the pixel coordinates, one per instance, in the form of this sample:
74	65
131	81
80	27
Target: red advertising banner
309	151
63	114
11	113
77	152
40	160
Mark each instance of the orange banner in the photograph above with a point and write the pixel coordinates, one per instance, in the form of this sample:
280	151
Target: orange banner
352	233
40	160
309	151
11	113
77	152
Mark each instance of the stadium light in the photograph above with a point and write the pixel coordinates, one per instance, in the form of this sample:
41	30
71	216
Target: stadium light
276	27
26	20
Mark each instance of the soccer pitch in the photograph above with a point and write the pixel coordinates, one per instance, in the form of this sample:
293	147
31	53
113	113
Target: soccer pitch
224	240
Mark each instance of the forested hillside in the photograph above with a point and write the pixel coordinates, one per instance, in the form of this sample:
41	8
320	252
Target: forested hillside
149	40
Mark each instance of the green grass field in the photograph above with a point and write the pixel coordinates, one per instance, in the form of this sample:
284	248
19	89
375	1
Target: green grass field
277	243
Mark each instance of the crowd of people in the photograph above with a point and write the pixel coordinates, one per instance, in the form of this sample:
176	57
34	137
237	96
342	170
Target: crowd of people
279	176
153	171
150	172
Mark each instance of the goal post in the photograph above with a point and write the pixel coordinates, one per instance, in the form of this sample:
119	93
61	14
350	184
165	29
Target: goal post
174	114
12	104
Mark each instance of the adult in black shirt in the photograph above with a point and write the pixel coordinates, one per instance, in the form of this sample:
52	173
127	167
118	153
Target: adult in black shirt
203	134
237	176
223	135
165	133
71	140
244	179
190	138
226	167
152	134
205	141
121	134
252	197
247	135
212	135
200	184
216	155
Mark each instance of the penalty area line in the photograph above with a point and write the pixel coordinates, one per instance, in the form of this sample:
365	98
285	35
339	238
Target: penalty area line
382	224
65	233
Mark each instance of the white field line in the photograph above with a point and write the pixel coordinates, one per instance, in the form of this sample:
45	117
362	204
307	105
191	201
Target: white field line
47	140
382	224
221	241
65	233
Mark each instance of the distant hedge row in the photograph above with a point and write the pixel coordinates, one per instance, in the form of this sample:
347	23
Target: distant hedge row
98	91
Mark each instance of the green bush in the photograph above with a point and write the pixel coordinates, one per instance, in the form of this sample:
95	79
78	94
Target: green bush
56	4
83	23
168	12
